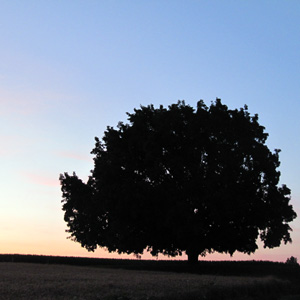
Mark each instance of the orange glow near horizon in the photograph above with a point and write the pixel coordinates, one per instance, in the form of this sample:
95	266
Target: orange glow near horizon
68	248
62	82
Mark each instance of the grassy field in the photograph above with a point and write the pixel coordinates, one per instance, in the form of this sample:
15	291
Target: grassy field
52	281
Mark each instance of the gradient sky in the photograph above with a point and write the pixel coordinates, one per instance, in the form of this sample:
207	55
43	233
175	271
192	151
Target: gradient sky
70	68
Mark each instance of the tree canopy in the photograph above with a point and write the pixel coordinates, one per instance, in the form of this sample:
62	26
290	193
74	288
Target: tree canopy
180	179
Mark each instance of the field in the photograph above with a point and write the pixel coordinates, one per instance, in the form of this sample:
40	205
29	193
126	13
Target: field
26	280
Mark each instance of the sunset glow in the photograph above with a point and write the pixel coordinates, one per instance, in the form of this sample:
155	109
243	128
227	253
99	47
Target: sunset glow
70	68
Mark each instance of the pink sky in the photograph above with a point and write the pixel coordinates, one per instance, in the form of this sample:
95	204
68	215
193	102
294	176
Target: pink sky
69	69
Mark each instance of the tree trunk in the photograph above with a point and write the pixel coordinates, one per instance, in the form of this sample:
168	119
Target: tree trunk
192	257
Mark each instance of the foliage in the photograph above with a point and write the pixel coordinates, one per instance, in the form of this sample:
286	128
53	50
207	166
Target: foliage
292	261
180	179
226	268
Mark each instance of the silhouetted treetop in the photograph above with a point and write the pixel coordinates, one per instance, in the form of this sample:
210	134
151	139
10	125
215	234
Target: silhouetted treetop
180	179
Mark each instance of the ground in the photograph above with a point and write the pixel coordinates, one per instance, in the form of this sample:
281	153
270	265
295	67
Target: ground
51	281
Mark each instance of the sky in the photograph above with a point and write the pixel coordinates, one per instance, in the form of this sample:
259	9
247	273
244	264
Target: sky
69	69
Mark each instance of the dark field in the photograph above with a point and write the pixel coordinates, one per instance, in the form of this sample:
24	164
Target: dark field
137	280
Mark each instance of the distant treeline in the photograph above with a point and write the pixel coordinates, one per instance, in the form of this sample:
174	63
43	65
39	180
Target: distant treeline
227	268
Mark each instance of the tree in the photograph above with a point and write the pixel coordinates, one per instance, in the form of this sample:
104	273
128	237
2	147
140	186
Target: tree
180	179
292	261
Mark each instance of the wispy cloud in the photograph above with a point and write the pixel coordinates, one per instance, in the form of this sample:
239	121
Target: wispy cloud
16	102
26	102
39	179
12	144
74	155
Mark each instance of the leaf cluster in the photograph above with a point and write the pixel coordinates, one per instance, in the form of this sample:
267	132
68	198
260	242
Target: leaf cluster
181	179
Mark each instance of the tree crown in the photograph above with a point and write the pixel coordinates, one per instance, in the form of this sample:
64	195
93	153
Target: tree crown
181	179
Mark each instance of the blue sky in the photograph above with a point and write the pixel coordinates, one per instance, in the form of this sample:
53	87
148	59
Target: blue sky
70	68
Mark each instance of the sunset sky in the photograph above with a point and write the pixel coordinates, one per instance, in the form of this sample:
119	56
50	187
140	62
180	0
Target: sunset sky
70	68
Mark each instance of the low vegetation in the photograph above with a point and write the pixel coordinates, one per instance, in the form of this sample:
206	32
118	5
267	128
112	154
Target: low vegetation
79	278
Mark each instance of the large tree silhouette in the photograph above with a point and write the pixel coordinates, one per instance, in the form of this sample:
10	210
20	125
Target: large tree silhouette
180	179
